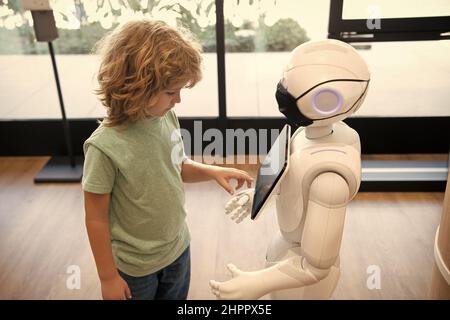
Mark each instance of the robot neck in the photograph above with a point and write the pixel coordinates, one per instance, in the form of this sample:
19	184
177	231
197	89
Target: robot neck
318	132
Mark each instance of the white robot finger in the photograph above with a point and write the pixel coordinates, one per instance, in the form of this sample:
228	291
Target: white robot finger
243	200
233	269
237	213
230	209
231	203
243	216
214	284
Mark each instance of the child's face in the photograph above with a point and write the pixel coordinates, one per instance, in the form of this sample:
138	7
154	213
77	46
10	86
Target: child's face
166	101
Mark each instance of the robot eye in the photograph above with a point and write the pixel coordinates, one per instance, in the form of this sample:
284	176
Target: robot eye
327	101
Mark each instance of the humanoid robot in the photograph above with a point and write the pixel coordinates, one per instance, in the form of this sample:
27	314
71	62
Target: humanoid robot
323	83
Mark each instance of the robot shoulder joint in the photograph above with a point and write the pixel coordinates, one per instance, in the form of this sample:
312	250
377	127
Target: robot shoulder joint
329	189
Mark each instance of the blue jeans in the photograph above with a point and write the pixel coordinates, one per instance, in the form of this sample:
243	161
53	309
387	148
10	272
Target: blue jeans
169	283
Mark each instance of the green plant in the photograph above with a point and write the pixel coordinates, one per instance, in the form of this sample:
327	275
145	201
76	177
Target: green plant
284	35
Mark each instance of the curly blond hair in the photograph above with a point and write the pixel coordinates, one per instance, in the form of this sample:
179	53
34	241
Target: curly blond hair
139	60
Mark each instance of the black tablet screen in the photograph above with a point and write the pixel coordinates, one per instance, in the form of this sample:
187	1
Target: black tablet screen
271	170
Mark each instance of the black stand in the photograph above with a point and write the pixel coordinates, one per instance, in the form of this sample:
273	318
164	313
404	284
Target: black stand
61	169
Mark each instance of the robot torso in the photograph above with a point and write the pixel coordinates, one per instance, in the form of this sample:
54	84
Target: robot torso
338	152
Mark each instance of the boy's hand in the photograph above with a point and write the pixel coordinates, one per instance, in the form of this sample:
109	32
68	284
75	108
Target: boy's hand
224	175
115	288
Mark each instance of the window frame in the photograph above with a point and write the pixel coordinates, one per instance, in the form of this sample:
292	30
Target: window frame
394	29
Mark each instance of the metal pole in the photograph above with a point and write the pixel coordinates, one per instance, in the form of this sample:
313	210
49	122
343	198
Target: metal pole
61	104
221	80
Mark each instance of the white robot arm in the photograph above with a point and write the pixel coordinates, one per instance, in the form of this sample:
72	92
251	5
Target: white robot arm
329	194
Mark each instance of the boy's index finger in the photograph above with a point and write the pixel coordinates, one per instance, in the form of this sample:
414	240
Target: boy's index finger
246	175
240	183
242	175
249	180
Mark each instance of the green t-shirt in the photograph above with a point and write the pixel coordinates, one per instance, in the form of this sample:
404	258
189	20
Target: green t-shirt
140	167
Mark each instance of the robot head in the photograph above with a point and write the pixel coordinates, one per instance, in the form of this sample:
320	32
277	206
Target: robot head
324	82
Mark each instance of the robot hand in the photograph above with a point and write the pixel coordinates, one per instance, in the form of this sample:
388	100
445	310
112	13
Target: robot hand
243	286
240	205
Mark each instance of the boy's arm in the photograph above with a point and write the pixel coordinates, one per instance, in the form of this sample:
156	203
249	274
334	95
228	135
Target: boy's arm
192	171
97	225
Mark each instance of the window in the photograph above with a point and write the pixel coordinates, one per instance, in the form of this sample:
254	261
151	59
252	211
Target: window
27	86
408	79
258	38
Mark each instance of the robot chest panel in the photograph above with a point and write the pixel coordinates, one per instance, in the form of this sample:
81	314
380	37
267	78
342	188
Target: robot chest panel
305	165
323	158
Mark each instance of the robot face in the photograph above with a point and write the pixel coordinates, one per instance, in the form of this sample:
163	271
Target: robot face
326	102
323	82
287	104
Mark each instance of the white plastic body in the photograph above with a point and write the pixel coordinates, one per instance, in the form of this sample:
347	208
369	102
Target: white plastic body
306	225
303	260
445	272
36	5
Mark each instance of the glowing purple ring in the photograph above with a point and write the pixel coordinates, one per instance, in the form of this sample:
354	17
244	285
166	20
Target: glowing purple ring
338	106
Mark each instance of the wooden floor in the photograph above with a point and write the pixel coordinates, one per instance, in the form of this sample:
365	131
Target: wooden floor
42	233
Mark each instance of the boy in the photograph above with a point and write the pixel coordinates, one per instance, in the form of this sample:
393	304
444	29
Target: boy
133	188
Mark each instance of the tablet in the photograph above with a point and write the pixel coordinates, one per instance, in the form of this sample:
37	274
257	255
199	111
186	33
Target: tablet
271	171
